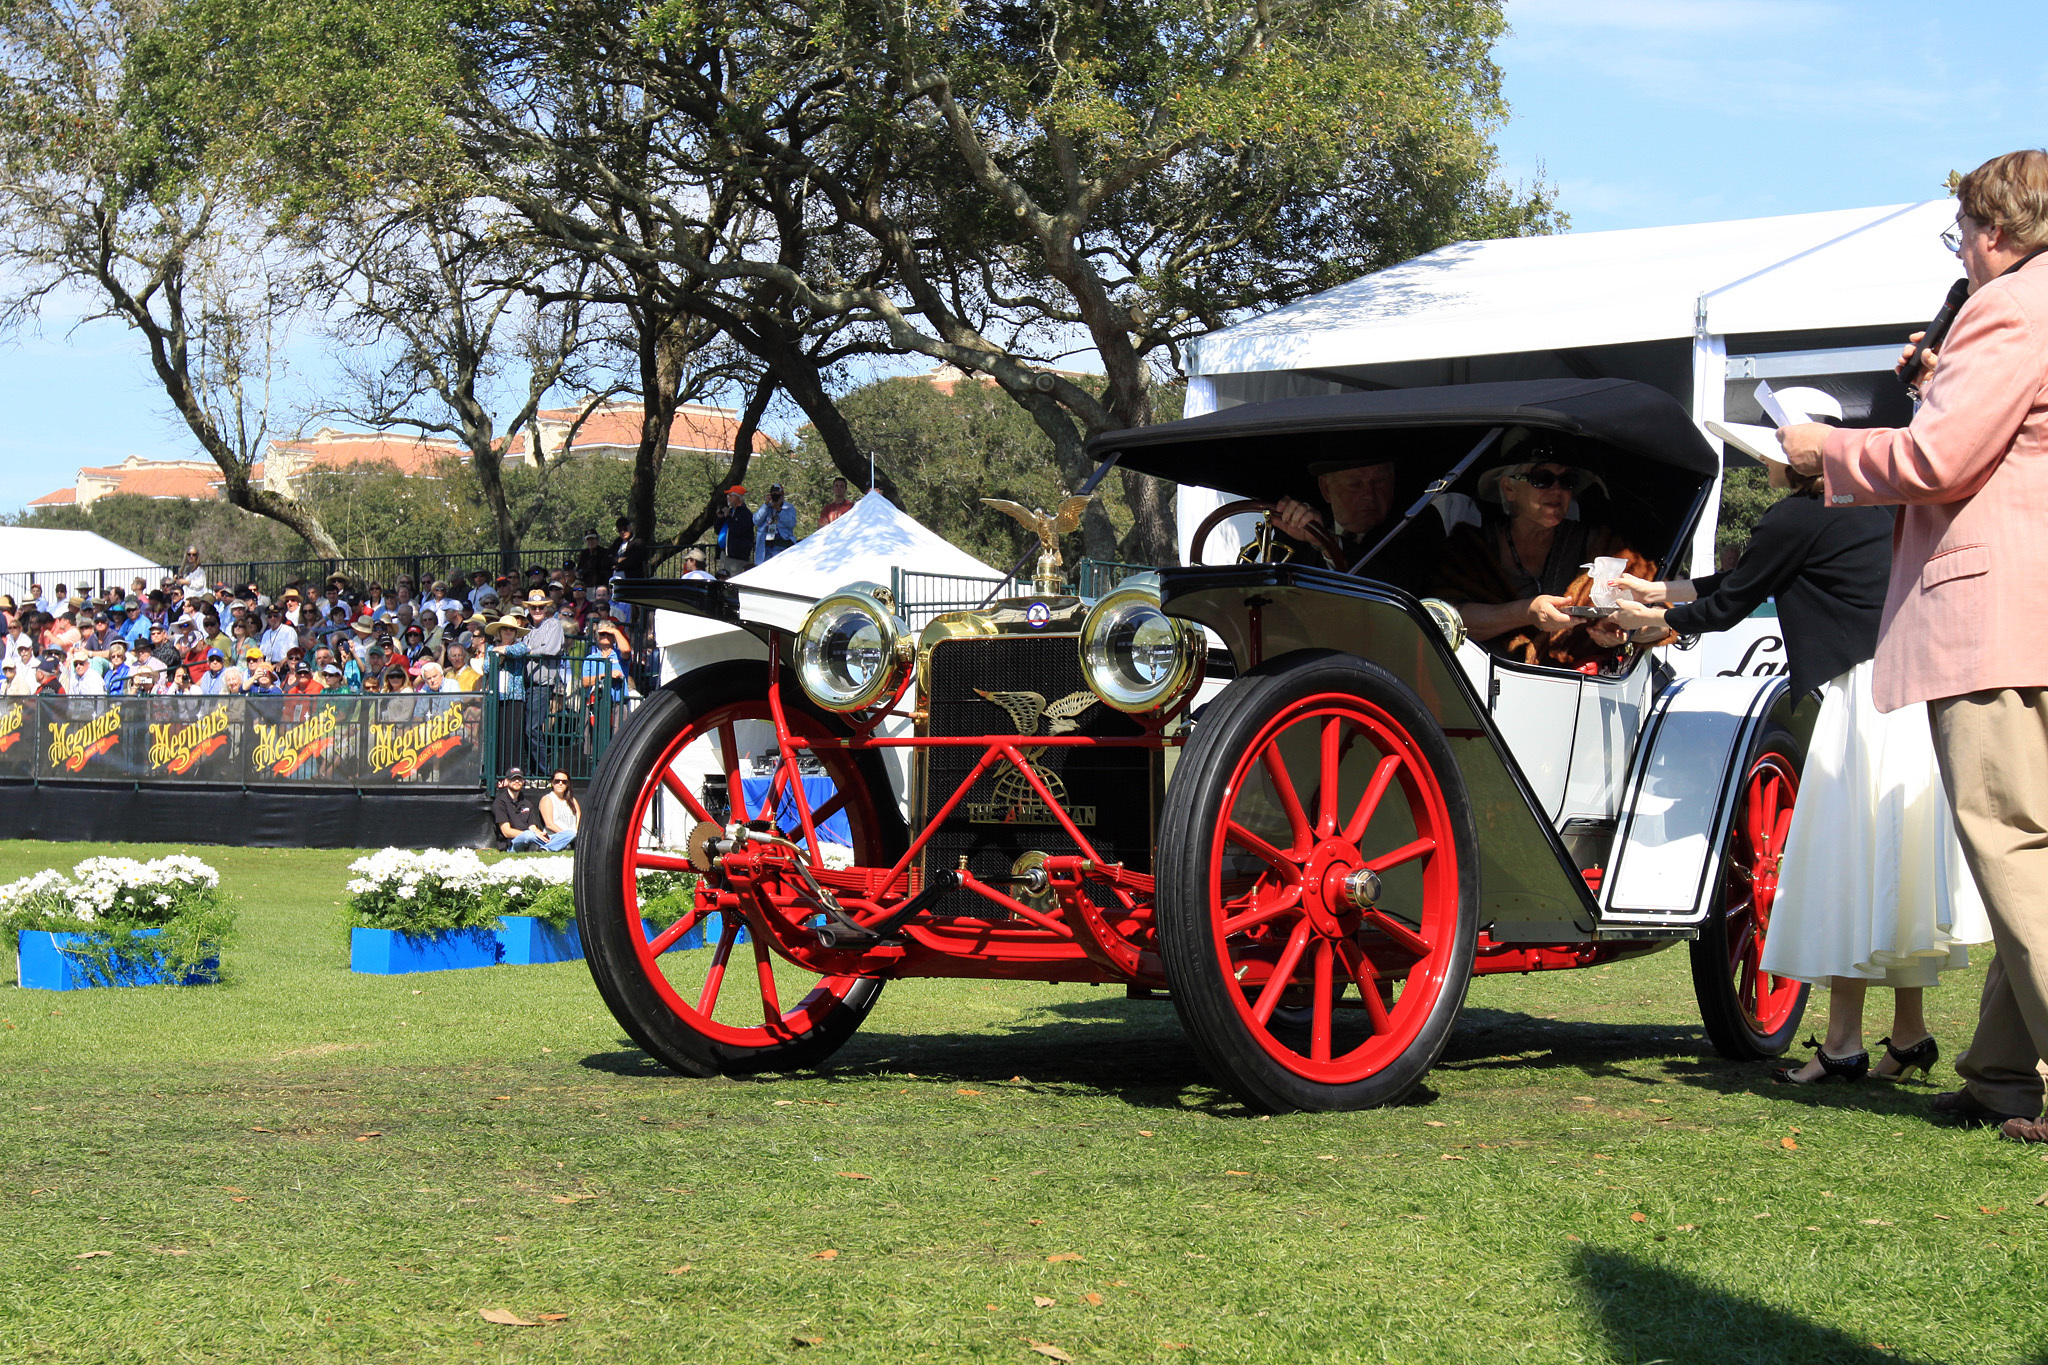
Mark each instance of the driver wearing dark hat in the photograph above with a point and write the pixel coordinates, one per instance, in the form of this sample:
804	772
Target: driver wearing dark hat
1361	501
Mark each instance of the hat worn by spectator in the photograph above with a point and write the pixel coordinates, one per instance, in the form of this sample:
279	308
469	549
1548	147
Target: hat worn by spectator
510	623
515	774
331	669
539	598
361	626
253	652
216	654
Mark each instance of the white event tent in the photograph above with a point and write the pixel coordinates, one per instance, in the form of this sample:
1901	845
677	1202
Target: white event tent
866	544
35	555
1701	311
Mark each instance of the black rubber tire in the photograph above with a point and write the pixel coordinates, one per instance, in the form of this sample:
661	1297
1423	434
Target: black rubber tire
1731	1029
628	765
1201	984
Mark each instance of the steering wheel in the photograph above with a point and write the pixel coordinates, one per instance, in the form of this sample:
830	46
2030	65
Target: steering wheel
1265	549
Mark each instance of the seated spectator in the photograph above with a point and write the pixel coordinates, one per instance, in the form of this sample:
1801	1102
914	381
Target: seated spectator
15	685
212	680
429	678
263	681
231	684
560	812
180	684
396	679
331	679
514	817
81	679
464	675
696	563
49	673
116	678
303	683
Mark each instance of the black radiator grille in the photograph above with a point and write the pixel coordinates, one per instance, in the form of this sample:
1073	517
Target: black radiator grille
1109	791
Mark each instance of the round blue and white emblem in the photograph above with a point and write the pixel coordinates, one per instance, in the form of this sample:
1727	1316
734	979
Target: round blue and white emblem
1037	615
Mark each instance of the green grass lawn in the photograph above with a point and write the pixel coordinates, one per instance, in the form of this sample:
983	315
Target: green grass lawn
305	1165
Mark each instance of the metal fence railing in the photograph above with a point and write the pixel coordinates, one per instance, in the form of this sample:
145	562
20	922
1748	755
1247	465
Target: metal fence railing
1097	577
921	596
272	576
566	721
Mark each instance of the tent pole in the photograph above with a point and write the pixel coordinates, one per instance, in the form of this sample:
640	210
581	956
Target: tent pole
1709	404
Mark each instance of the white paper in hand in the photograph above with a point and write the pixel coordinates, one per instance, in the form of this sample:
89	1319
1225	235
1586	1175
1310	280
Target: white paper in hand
1775	408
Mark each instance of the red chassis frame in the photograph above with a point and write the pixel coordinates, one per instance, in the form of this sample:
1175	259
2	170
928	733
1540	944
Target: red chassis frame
760	884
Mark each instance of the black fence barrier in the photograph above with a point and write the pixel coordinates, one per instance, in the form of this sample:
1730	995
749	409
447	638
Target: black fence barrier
396	741
549	712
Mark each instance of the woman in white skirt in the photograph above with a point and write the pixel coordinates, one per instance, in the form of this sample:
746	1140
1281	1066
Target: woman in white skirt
1873	889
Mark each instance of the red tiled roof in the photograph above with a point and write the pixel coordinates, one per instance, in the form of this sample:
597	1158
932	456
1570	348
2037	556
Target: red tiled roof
617	426
63	497
167	483
407	454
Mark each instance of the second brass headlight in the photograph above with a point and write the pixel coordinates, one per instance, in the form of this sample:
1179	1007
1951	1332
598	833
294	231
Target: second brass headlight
852	650
1133	655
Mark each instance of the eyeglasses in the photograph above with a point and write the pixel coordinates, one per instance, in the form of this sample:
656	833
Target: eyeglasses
558	782
1543	478
1953	237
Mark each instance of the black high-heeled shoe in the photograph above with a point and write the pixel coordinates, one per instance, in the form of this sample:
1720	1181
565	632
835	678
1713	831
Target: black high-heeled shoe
1852	1068
1922	1055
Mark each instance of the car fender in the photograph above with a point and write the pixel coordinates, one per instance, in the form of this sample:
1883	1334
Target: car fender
1681	792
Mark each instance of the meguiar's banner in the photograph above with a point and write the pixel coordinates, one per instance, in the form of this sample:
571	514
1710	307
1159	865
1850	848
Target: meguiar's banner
191	739
88	739
18	736
312	739
426	739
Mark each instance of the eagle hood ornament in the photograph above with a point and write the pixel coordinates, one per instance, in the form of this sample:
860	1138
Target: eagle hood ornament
1050	578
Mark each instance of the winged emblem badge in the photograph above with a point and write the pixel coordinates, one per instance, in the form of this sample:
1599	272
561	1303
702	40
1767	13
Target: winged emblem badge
1050	577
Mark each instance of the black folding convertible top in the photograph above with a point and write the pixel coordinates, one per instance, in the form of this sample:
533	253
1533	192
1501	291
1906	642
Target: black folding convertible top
1254	448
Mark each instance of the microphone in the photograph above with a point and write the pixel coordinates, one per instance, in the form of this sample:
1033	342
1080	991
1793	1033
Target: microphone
1931	339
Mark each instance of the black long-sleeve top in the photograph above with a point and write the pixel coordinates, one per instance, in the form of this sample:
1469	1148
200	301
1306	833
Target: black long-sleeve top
1827	568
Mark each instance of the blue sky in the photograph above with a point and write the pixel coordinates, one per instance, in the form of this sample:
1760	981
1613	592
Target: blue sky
1639	112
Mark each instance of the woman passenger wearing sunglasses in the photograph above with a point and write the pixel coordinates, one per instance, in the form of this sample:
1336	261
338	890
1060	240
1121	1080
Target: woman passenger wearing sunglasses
1512	576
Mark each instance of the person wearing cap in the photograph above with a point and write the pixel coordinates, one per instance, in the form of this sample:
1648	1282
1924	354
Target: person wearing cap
49	675
513	814
604	668
211	681
542	650
160	647
80	678
774	526
734	527
303	683
12	682
696	564
263	681
278	638
593	561
331	679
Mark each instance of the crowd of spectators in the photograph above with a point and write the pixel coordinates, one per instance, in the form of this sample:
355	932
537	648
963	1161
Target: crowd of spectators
185	636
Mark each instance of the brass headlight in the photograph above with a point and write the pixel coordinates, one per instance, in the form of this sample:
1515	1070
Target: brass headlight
852	650
1133	655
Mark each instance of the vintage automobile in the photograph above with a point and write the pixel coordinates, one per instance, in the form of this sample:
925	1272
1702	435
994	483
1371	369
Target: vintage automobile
1291	798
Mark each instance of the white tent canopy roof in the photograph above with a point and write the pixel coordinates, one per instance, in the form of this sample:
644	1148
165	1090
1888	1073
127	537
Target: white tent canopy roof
1804	272
865	544
35	555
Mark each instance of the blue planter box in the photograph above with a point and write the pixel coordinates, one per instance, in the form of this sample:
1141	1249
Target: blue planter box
529	940
388	952
43	965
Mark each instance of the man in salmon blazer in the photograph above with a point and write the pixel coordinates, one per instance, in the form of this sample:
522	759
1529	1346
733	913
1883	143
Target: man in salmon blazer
1965	628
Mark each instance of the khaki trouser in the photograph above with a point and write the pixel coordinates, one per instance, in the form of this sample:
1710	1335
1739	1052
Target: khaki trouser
1993	748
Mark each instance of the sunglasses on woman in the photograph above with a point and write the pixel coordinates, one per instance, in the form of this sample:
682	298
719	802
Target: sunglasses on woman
1540	479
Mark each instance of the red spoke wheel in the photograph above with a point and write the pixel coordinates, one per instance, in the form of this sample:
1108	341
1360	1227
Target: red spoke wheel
733	1005
1318	898
1750	1014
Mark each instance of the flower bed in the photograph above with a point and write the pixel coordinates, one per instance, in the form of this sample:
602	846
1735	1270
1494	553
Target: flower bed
437	901
118	921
